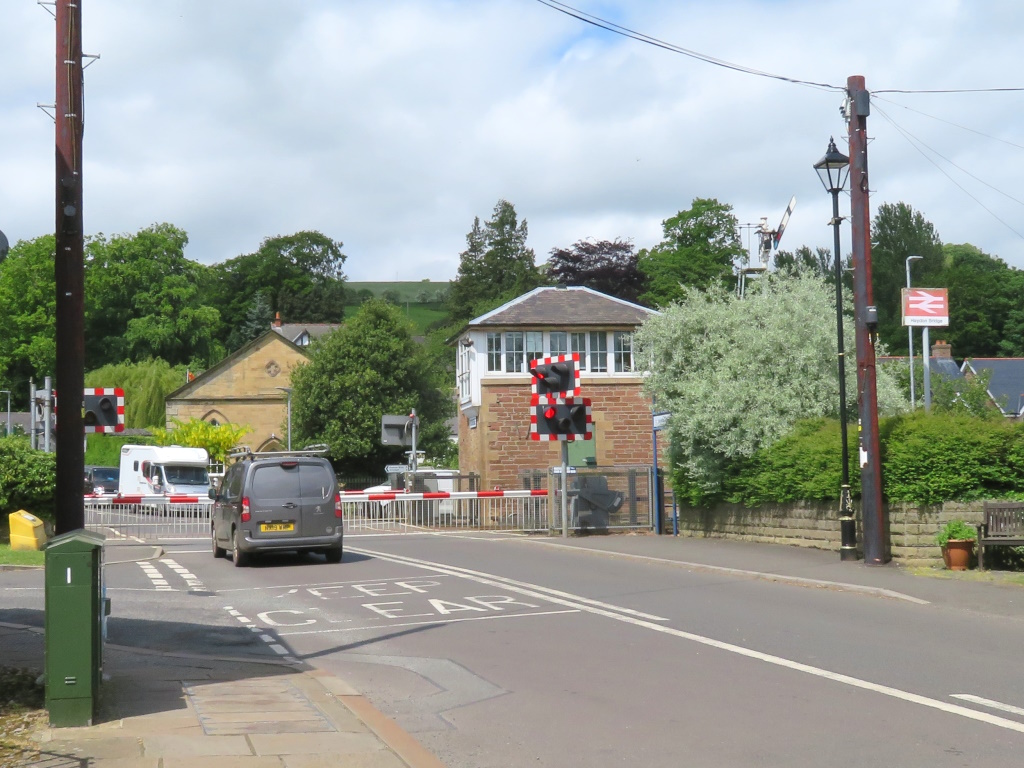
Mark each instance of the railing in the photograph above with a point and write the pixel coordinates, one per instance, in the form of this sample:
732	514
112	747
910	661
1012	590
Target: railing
149	517
525	511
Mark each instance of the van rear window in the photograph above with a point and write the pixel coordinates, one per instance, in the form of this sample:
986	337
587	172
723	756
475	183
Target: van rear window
317	481
275	482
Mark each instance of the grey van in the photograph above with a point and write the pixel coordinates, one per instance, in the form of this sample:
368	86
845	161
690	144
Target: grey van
277	502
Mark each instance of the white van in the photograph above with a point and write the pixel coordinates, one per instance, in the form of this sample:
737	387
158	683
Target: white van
164	470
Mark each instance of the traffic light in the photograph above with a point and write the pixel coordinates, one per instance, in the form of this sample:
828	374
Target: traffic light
103	410
561	418
557	376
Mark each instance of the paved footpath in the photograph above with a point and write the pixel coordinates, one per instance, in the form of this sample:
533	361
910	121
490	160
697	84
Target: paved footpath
175	710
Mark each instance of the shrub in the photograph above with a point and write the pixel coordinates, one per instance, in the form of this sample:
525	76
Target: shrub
27	478
957	530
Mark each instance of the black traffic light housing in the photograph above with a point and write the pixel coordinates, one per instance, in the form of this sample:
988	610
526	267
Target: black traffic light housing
556	418
556	376
103	410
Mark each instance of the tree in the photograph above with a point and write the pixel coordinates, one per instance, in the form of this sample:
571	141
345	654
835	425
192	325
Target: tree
737	374
984	301
258	319
699	248
608	266
897	232
820	261
496	266
146	385
217	439
28	343
367	368
144	299
300	275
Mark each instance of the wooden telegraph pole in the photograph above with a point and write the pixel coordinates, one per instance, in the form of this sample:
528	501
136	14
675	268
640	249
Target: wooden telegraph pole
68	269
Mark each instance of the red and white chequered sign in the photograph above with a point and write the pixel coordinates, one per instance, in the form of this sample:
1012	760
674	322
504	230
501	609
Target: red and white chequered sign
537	402
573	359
118	394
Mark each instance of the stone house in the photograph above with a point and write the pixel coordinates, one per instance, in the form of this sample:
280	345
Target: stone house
250	386
493	383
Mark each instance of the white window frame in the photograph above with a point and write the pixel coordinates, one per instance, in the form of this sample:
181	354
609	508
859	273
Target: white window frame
622	351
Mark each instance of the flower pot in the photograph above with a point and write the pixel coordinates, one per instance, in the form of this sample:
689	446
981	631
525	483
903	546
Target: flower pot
957	554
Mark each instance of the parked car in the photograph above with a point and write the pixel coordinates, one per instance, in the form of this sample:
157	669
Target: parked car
281	501
101	480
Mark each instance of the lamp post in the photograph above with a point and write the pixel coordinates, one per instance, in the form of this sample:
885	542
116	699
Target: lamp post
8	393
288	391
910	338
833	170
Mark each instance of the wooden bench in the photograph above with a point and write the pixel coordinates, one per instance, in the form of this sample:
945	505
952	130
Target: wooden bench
1004	524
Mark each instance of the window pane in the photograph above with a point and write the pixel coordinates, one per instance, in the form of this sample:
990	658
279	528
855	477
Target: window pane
514	352
579	344
598	352
623	352
534	345
493	351
559	343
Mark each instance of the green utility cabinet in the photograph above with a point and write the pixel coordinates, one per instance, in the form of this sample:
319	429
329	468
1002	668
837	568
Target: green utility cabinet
75	607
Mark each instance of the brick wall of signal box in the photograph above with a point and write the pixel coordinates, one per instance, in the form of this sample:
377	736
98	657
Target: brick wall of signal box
500	449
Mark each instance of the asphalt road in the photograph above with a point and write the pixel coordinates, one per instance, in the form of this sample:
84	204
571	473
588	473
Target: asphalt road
511	651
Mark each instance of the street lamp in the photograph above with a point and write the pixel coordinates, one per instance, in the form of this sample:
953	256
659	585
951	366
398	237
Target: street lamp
910	338
288	391
833	170
8	393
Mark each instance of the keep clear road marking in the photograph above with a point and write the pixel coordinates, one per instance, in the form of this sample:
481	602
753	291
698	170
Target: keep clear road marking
590	606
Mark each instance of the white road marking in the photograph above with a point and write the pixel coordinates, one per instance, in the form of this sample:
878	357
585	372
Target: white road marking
193	581
988	703
390	625
590	607
269	639
153	574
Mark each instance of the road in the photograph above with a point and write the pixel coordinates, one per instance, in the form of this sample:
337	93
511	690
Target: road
502	650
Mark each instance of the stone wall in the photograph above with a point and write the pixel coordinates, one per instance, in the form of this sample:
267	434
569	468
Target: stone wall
912	528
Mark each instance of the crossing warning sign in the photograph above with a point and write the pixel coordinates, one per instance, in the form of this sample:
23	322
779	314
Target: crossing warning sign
926	307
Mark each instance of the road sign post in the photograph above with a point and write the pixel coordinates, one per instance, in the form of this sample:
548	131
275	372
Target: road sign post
927	308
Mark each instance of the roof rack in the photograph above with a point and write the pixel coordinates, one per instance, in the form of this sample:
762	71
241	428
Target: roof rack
244	451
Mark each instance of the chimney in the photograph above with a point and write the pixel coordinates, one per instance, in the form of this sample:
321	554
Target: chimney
277	320
942	349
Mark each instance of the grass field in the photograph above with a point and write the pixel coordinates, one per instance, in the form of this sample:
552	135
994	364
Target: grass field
420	315
411	291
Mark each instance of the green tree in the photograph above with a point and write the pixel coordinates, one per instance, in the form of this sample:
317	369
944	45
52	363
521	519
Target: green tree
737	374
258	319
820	261
28	346
195	433
367	368
496	266
300	275
608	266
897	232
699	248
143	299
984	301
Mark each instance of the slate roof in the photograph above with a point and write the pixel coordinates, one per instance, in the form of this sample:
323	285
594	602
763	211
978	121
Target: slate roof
293	331
1007	383
564	306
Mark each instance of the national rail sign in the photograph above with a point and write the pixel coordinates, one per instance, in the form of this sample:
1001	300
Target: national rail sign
928	307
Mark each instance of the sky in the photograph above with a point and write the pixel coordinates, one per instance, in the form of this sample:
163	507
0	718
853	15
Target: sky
389	125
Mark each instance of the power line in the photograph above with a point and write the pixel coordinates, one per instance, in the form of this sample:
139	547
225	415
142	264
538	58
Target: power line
948	122
914	142
610	26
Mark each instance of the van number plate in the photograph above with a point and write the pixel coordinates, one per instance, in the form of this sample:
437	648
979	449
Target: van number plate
267	527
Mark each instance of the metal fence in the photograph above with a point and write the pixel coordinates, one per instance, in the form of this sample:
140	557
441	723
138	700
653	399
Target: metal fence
597	500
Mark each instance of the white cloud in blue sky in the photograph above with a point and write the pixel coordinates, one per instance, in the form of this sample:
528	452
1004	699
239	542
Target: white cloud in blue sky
390	124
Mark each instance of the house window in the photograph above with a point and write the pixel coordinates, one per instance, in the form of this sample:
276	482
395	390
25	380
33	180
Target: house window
493	351
598	352
521	347
514	349
464	391
559	341
579	345
623	352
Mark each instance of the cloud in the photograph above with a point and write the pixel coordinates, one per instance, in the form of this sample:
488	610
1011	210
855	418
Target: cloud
389	126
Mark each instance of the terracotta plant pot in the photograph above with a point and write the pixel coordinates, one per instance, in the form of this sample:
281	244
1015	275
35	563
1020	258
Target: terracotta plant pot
957	554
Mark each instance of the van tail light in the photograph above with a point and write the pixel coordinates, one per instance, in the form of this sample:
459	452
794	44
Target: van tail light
246	517
337	505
